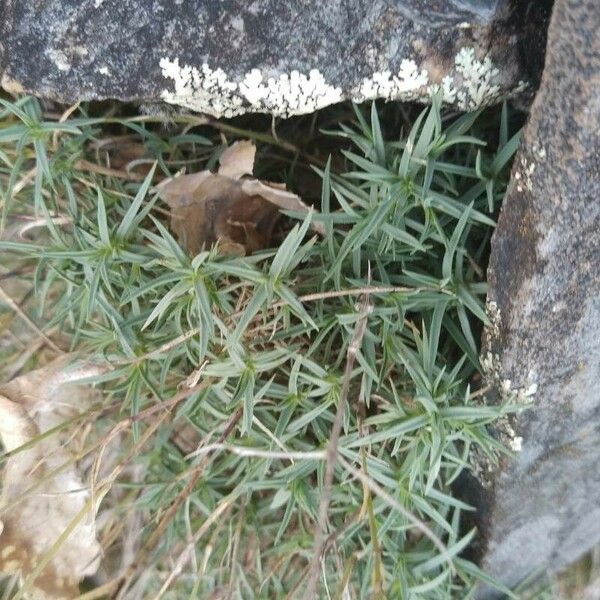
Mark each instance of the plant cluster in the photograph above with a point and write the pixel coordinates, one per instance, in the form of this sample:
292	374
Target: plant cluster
329	385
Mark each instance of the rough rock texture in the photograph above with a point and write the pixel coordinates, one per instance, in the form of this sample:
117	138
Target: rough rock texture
545	302
235	56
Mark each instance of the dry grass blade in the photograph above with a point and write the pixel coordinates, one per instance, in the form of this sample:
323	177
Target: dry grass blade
332	448
6	298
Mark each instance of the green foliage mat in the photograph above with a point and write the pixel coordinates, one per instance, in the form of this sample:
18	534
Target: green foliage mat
330	385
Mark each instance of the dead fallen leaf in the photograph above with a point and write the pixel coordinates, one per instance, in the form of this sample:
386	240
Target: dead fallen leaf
240	213
31	521
237	160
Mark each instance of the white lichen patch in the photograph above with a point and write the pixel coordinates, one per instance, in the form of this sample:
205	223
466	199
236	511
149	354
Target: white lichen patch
509	394
493	373
493	313
508	435
292	94
470	83
447	89
491	364
523	175
204	90
60	59
213	92
516	444
521	87
408	84
540	151
479	80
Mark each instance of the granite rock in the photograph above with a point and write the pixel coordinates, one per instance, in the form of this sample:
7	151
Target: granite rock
544	299
234	56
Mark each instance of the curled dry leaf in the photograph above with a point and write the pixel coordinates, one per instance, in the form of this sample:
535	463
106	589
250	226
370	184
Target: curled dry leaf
237	160
38	503
237	211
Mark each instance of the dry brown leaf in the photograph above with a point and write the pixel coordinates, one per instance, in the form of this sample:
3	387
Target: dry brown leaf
280	197
238	212
31	520
237	160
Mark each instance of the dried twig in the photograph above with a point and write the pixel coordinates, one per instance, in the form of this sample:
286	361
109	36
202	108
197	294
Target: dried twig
367	507
63	118
85	165
6	298
260	452
332	447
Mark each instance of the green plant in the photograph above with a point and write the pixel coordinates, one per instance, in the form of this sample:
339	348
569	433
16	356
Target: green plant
326	381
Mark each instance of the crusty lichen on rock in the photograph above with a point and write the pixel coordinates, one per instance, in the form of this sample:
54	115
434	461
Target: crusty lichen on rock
213	92
472	82
478	79
408	84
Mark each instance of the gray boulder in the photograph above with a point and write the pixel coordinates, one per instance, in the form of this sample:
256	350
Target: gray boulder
235	56
544	347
